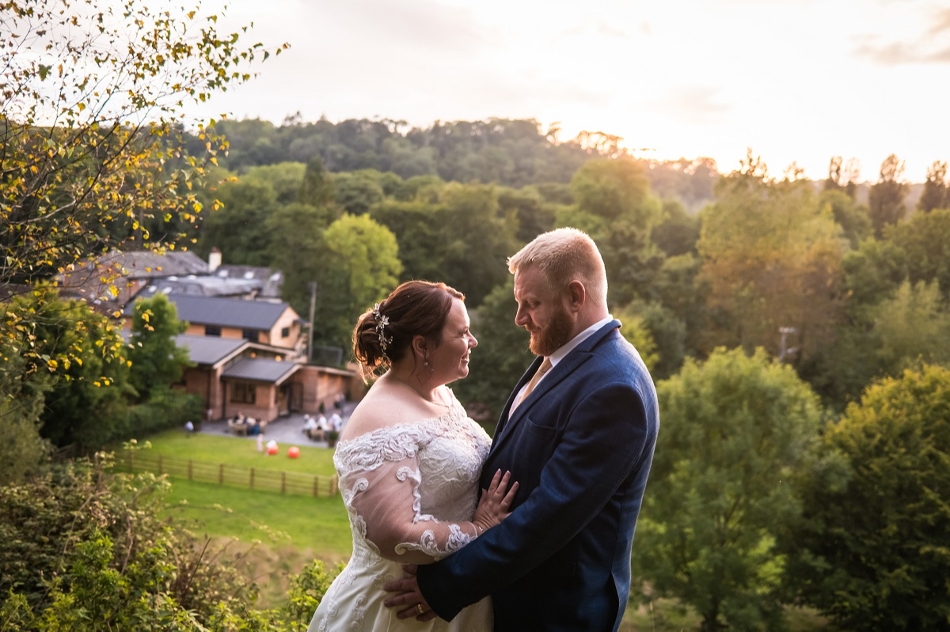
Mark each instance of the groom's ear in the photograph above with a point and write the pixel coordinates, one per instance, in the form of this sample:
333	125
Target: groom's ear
576	295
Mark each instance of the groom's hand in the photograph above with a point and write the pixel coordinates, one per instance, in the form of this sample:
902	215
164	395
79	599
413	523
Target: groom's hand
408	597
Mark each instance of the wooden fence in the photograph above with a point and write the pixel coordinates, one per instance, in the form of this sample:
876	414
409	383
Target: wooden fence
232	475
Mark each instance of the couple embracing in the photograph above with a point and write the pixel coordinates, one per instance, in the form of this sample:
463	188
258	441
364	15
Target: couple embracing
546	544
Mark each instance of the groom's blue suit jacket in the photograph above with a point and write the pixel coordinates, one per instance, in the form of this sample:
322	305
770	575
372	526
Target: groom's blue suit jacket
580	446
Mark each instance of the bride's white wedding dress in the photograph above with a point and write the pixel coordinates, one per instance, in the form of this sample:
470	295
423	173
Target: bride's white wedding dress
410	490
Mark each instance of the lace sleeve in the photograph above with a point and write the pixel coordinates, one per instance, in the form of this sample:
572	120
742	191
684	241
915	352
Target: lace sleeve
385	504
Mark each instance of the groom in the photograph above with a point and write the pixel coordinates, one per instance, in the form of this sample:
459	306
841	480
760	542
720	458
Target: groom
577	434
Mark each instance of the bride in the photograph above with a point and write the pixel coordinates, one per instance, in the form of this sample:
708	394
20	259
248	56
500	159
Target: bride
409	460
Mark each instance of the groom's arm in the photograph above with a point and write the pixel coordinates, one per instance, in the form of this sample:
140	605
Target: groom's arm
604	439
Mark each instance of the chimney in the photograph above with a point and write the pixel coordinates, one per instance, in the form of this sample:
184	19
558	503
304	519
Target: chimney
214	259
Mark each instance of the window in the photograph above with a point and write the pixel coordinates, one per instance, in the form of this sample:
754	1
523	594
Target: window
243	393
212	330
250	334
285	332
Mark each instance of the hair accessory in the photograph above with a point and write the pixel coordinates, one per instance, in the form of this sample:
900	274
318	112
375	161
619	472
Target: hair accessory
381	322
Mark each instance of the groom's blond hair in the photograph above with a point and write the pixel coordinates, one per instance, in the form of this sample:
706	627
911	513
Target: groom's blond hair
565	255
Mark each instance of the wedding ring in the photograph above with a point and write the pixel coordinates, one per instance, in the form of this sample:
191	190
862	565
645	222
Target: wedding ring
419	608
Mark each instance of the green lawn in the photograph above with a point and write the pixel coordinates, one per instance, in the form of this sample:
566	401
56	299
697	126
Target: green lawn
316	524
239	451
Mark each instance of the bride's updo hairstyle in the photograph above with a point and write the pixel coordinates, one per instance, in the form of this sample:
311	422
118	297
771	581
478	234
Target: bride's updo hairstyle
383	334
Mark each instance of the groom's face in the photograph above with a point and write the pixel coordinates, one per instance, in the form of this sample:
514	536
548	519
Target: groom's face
542	311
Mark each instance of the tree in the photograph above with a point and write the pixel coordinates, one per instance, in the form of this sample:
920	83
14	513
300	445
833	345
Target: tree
615	208
92	125
476	242
772	258
93	96
237	228
86	403
886	198
297	249
678	233
842	177
285	178
317	186
737	431
852	218
924	240
936	190
636	331
156	360
913	326
361	266
870	552
357	192
501	357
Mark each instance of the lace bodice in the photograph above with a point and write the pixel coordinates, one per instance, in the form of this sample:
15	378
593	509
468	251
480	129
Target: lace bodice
410	489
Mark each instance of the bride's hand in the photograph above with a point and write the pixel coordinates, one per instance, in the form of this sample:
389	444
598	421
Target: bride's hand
495	503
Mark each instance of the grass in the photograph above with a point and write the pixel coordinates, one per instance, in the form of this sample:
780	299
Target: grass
317	524
271	536
239	451
275	535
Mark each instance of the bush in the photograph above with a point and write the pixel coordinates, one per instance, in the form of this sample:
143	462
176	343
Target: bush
82	549
166	408
873	551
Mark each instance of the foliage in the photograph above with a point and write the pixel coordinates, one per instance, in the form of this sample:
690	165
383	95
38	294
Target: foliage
499	360
165	408
737	432
156	360
913	326
236	228
23	451
363	259
636	331
83	549
74	356
678	232
92	126
657	333
886	198
307	591
852	218
871	552
475	241
615	207
772	258
936	191
924	240
298	250
513	153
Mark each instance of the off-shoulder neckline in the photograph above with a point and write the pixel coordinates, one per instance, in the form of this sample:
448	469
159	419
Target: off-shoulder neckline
456	411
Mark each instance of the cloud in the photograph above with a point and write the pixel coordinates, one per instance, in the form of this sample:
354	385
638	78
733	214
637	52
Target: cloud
425	25
931	46
696	105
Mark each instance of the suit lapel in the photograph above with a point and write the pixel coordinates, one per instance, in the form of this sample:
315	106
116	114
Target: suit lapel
558	374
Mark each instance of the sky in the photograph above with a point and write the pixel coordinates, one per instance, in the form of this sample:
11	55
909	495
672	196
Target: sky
795	81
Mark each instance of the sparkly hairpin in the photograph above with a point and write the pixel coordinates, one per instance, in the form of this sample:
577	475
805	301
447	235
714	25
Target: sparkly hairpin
381	322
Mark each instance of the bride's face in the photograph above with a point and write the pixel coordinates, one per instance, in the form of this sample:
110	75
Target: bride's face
449	360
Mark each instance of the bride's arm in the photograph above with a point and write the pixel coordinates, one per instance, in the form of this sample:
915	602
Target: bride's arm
386	502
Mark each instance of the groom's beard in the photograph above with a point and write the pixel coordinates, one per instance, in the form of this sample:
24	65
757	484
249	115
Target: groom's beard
554	336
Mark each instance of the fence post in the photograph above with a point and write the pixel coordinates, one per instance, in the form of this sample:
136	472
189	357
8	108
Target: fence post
283	482
316	486
160	472
189	469
252	478
131	460
221	474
